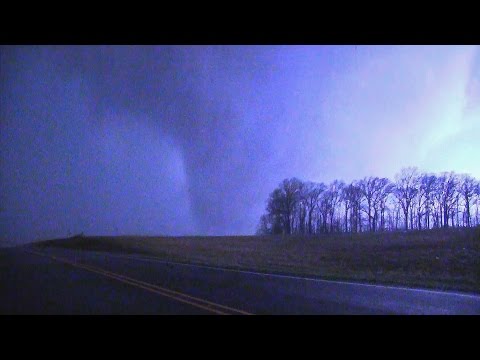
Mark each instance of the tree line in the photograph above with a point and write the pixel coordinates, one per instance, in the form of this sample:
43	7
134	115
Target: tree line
414	200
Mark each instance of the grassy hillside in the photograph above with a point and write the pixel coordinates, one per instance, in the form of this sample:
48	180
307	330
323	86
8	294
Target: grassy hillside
446	259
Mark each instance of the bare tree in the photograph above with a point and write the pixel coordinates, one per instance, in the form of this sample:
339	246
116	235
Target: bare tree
264	225
381	190
355	214
367	187
282	204
448	188
437	201
348	198
276	211
477	202
291	191
421	199
406	189
424	200
335	191
427	185
311	195
324	209
467	190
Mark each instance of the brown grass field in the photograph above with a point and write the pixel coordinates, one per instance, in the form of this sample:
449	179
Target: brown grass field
444	259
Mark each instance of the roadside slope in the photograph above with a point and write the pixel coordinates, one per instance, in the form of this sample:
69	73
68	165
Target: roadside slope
435	259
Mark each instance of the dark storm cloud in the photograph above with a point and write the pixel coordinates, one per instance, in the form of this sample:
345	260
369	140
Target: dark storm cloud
190	140
136	139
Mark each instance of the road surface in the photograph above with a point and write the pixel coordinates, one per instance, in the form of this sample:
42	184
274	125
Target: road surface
59	281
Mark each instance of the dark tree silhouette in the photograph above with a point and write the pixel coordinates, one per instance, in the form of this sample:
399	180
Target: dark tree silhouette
406	189
420	201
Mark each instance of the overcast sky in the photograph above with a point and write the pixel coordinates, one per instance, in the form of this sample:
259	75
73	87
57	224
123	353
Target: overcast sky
191	140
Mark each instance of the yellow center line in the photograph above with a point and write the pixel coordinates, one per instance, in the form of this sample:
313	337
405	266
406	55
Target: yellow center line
173	292
194	301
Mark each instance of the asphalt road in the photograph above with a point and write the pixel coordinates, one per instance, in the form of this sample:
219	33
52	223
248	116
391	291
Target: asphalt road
58	281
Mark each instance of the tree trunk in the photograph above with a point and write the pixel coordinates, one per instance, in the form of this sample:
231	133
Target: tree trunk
445	217
467	208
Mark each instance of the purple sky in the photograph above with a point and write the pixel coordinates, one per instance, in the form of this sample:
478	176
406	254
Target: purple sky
191	140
